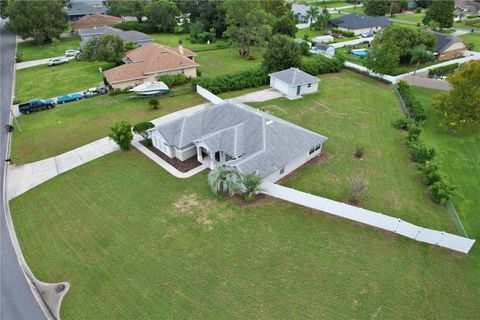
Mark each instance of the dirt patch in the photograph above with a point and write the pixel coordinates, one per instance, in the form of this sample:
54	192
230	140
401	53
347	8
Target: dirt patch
182	166
191	205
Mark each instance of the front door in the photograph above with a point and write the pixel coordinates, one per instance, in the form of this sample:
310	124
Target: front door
298	90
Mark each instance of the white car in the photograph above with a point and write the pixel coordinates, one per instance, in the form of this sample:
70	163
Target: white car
57	61
71	53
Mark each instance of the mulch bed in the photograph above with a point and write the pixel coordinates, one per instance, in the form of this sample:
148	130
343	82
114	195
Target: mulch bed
182	166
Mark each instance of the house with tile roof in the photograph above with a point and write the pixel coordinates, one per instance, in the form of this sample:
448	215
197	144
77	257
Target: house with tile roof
147	63
94	21
293	82
233	134
448	46
360	23
139	38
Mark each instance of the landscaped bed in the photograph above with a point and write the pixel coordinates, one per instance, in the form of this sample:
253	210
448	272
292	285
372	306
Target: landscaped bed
182	166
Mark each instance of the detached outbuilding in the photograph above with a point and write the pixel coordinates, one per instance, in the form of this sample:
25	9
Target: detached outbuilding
293	82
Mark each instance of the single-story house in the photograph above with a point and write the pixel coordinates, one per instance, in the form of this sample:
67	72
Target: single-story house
293	82
360	23
300	11
137	37
146	63
325	49
78	9
469	6
94	21
324	39
448	46
233	134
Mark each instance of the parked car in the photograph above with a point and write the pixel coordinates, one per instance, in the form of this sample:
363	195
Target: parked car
69	97
57	61
367	34
35	105
71	53
92	92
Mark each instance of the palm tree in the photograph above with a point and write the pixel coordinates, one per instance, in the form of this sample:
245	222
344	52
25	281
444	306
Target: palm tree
420	54
224	180
312	14
251	185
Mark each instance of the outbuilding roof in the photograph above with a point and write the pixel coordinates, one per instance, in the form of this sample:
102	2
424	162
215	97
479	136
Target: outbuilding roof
444	41
254	140
354	21
294	77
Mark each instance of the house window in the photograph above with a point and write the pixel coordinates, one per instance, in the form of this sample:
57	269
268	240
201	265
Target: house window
317	147
311	151
309	85
282	171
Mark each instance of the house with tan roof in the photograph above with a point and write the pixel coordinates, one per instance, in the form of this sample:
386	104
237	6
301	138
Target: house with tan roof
94	21
147	63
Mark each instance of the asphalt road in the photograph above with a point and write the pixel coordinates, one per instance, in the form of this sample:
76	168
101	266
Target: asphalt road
16	298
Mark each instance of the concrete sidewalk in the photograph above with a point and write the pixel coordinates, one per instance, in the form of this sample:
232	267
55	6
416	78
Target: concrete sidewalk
351	42
33	63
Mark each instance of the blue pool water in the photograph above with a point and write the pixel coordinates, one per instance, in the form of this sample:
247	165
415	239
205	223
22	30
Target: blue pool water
360	52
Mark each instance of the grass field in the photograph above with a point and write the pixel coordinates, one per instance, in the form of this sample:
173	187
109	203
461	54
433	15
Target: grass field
33	51
412	17
171	40
47	82
134	242
358	9
326	3
472	38
459	157
220	61
461	24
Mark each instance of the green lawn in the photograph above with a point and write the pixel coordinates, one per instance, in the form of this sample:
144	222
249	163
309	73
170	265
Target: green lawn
47	82
358	9
412	17
405	25
171	39
461	24
220	61
472	38
459	157
315	33
136	243
33	51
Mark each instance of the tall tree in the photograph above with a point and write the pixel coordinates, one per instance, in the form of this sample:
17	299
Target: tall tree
209	12
41	20
384	58
246	24
420	54
3	9
134	8
276	7
424	3
282	53
376	7
287	24
163	14
460	107
442	12
312	14
109	48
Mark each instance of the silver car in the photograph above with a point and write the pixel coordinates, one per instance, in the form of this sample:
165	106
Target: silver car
71	53
57	61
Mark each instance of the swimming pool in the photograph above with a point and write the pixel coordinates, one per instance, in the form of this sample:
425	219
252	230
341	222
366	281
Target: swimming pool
360	52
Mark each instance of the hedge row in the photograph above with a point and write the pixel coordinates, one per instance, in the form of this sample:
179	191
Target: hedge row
442	71
320	64
415	108
343	33
144	27
173	80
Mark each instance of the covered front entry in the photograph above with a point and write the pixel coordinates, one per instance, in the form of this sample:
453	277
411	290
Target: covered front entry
212	160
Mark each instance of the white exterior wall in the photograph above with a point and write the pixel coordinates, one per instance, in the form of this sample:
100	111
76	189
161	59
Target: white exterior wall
291	91
159	143
292	165
360	31
306	90
185	153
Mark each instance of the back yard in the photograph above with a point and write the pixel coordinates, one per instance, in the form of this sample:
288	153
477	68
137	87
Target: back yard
35	52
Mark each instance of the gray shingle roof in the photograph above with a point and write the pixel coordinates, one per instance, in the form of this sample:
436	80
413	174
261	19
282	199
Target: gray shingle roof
256	140
130	35
444	41
355	21
82	8
294	77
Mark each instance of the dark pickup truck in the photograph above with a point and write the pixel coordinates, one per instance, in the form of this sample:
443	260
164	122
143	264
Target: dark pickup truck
35	105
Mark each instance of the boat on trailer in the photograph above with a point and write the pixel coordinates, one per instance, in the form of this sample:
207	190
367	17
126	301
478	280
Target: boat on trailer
151	88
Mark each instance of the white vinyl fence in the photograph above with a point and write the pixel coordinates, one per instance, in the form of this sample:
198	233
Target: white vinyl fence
208	95
392	224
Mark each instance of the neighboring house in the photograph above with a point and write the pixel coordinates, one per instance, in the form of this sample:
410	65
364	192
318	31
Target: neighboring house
146	63
323	39
137	37
300	11
448	46
359	23
469	6
325	49
94	21
77	9
236	135
293	82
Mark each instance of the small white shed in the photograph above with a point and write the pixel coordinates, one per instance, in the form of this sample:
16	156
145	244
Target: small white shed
323	39
326	49
294	82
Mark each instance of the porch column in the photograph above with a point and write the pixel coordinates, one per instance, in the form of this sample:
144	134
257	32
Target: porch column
199	154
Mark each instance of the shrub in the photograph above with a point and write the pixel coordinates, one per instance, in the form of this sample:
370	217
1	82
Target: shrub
357	189
418	10
415	108
343	33
55	41
19	56
172	80
403	123
144	27
305	49
441	191
320	64
443	71
153	103
430	172
224	180
141	129
359	152
250	78
204	37
420	152
414	133
250	186
130	45
122	134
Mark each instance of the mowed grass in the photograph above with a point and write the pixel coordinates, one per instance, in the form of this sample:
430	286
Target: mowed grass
459	157
412	17
171	39
136	243
48	82
353	110
216	62
32	51
473	38
49	133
